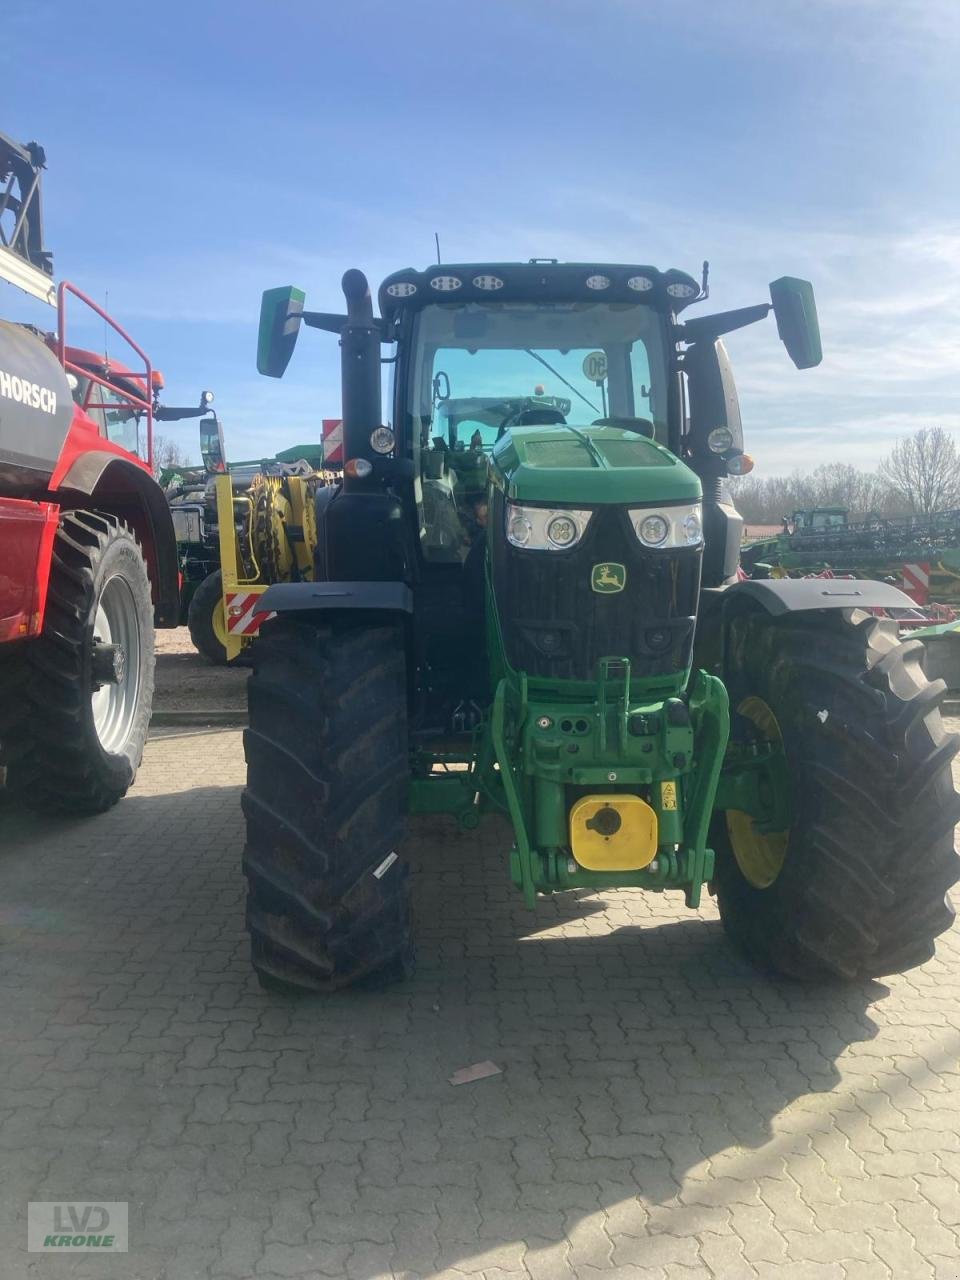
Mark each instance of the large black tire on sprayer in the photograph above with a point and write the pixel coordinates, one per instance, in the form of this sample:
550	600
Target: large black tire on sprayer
870	852
328	901
206	620
70	741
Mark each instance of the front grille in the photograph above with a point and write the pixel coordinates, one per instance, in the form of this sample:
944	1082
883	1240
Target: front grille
556	626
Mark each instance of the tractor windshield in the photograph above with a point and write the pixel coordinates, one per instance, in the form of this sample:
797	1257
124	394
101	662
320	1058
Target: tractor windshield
112	410
479	368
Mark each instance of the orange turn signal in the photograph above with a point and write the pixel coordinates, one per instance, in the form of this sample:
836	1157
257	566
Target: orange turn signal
358	468
740	465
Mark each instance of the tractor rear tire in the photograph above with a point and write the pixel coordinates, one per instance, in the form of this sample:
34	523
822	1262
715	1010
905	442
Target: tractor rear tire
68	744
870	852
206	620
328	899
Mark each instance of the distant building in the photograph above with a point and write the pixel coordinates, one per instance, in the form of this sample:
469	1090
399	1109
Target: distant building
757	532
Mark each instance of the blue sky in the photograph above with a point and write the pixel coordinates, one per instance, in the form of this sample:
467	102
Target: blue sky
199	153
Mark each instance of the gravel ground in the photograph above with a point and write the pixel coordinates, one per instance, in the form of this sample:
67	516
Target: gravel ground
186	682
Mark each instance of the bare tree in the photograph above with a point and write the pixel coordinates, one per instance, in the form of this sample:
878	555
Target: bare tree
767	499
167	453
924	469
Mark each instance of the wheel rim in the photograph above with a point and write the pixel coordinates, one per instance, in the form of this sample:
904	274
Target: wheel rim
219	623
114	705
760	855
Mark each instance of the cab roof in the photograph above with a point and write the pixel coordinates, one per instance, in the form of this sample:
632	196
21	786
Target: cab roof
538	280
107	367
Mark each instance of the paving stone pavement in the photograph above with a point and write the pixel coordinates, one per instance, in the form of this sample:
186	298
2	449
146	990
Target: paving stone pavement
664	1113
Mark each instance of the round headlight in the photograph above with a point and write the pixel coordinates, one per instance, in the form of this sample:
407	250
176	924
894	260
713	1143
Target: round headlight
653	531
720	440
562	531
382	440
519	529
692	528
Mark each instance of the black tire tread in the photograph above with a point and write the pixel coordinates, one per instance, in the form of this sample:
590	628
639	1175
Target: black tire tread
200	619
324	803
44	744
871	853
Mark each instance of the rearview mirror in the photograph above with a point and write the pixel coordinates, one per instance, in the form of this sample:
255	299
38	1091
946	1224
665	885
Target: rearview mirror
795	309
280	313
211	445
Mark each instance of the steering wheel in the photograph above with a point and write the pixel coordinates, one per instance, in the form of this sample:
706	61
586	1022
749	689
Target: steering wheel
532	416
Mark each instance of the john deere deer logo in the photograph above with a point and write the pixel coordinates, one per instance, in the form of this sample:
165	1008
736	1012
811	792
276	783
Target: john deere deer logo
608	578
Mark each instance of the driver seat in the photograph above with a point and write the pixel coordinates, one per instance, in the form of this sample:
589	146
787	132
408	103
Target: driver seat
534	416
540	417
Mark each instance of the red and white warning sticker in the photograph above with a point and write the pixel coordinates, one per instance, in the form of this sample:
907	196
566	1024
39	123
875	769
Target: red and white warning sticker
243	616
332	441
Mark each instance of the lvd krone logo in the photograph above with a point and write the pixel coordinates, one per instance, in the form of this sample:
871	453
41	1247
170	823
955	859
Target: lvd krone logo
77	1226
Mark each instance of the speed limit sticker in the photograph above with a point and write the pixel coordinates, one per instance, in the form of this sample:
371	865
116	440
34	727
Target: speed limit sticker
595	366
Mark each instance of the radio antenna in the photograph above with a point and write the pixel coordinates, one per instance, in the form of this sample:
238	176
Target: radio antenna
436	236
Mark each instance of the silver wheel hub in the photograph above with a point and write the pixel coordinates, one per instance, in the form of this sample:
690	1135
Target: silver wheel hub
115	665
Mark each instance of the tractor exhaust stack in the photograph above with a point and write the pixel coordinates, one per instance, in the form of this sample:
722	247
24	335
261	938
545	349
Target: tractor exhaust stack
360	374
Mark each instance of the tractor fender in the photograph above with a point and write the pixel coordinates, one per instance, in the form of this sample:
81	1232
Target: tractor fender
306	597
795	595
129	491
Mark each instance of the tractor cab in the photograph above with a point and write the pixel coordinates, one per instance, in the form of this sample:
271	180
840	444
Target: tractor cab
505	359
112	396
117	401
816	520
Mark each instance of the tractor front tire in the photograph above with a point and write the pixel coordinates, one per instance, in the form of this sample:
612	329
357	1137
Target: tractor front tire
857	887
206	619
72	740
328	900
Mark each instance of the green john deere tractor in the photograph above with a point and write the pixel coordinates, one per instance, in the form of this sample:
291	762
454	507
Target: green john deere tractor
525	598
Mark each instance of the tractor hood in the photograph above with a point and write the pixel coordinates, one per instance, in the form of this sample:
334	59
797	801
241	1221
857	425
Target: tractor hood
596	465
